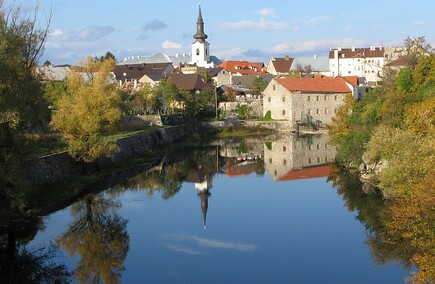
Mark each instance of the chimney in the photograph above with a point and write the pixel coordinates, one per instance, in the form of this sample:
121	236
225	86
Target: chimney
286	57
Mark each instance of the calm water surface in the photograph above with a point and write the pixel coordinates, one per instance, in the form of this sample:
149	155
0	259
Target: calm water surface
243	212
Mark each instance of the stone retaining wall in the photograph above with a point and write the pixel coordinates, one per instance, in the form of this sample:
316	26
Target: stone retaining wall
57	167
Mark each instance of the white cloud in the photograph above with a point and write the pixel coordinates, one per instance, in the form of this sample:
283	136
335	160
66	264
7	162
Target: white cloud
314	21
267	12
88	34
204	243
417	24
261	25
171	45
313	45
94	33
226	53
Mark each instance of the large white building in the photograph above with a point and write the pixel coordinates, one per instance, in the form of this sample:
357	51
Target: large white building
361	62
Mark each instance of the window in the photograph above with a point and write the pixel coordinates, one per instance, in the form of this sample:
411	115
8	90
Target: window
309	161
270	161
285	162
283	112
268	99
326	111
276	173
197	51
309	98
317	111
318	147
309	147
318	159
325	97
284	148
283	99
309	111
317	98
335	97
273	87
206	51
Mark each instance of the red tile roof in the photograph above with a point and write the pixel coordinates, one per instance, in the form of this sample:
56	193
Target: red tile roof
244	67
306	173
315	85
353	80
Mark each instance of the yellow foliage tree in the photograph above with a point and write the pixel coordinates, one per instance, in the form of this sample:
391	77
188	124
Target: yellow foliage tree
340	126
90	110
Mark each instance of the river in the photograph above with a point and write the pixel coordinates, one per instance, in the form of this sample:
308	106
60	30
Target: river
247	211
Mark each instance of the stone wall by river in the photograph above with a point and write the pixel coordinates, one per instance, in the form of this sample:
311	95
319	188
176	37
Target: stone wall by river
58	167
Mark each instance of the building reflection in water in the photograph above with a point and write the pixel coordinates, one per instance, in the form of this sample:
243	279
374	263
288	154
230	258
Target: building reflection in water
305	157
202	178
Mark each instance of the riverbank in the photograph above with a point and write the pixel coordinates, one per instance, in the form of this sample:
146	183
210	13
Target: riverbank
60	167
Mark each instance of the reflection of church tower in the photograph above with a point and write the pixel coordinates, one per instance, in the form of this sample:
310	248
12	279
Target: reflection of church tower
201	48
204	194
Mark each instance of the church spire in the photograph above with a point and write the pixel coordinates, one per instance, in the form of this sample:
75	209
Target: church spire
200	36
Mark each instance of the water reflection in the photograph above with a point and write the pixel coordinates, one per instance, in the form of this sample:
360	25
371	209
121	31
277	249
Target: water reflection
21	263
100	242
302	158
98	235
397	231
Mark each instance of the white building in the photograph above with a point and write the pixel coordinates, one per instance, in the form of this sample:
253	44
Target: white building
201	48
361	62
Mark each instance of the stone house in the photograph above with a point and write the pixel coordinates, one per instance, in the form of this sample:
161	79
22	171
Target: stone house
279	66
302	99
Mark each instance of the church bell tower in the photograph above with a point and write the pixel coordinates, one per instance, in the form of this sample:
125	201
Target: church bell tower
200	47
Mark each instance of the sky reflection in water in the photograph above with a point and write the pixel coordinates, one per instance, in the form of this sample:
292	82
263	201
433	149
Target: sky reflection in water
273	223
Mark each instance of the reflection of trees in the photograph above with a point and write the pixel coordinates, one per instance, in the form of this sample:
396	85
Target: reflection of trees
169	178
22	264
398	231
98	234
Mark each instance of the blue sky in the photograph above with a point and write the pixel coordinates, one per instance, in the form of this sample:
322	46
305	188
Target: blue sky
251	30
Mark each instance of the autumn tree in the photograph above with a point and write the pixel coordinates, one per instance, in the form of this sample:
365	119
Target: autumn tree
340	126
90	110
23	109
98	235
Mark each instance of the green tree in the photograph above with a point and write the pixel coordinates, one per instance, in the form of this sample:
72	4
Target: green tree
23	109
167	95
243	111
108	55
54	91
91	110
258	87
